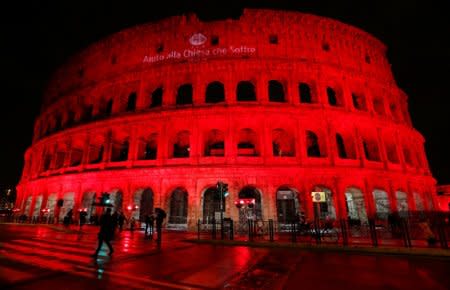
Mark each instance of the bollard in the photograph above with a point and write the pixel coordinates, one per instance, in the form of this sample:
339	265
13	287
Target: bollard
271	230
373	232
344	233
250	230
214	229
293	232
231	230
405	231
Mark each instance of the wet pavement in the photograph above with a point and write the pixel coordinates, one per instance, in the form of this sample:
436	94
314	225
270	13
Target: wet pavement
46	257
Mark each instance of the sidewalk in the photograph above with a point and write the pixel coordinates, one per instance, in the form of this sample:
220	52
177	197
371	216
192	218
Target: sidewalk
428	252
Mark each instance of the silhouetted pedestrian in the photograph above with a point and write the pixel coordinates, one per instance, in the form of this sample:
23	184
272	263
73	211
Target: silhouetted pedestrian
149	225
83	215
106	232
121	220
160	216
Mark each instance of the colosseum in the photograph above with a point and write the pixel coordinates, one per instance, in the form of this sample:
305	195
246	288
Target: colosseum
275	104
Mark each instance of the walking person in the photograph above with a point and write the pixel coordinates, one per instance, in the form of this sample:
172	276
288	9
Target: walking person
149	225
106	232
160	216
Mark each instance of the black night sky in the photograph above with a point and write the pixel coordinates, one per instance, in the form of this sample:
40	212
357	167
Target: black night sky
38	36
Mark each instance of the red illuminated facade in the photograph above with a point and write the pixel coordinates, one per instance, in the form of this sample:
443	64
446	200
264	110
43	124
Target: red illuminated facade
275	104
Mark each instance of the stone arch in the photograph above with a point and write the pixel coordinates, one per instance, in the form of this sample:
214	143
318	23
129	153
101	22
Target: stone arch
355	205
215	92
181	145
215	143
288	205
282	143
178	207
148	147
144	198
276	91
184	94
37	205
307	96
401	199
245	91
211	205
249	191
156	97
51	204
335	97
315	146
247	143
120	146
131	102
87	202
382	204
68	203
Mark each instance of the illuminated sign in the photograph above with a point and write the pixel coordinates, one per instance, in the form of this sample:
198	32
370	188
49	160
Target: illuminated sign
192	53
197	39
318	196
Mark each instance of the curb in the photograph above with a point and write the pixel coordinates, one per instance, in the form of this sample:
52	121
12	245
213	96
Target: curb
435	253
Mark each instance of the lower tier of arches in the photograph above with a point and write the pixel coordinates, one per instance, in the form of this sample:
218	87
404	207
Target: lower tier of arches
189	194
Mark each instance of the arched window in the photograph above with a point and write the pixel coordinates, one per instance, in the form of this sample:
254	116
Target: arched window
247	143
181	146
332	100
144	198
70	118
359	102
312	143
96	151
215	92
148	147
108	107
76	153
178	206
119	150
382	205
47	161
58	122
408	156
211	205
276	91
282	143
395	111
305	93
341	146
215	145
156	98
356	208
245	91
87	113
378	106
184	95
370	147
391	152
131	104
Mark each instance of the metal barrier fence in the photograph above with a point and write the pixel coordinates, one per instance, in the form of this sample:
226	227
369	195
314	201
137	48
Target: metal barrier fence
412	229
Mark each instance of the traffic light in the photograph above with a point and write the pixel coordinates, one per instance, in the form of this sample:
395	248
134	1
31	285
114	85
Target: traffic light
224	189
105	199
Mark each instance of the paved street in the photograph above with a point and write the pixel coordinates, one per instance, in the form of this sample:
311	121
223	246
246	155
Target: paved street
46	257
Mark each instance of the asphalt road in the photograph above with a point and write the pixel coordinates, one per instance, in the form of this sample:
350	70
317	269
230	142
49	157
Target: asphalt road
49	257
